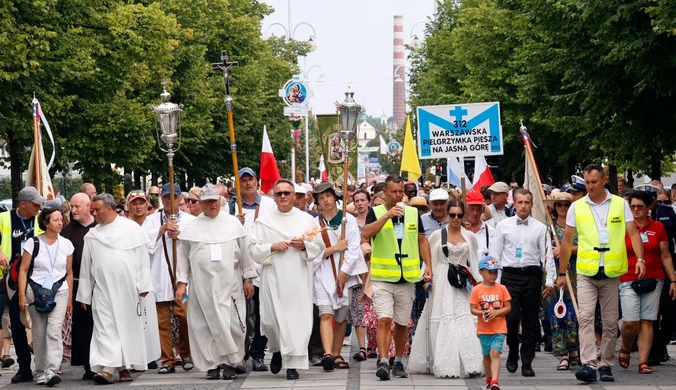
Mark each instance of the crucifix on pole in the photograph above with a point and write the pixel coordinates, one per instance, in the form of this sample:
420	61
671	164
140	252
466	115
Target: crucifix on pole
225	65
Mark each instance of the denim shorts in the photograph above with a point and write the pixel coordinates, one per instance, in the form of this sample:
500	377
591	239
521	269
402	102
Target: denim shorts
491	341
636	307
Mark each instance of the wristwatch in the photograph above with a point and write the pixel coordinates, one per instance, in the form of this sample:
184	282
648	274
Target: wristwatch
641	260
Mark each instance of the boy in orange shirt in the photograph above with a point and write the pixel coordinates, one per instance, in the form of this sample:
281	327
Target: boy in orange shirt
490	301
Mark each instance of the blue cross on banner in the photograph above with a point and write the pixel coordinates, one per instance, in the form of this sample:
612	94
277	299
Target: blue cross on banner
471	129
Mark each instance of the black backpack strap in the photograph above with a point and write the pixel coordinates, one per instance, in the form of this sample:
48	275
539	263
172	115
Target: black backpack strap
487	240
36	250
444	241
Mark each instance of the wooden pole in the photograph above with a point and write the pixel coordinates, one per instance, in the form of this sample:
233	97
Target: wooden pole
529	153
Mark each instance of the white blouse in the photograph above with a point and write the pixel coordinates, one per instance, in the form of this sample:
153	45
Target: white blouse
42	265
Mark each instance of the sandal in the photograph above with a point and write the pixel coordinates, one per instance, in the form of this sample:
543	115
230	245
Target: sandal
644	368
187	364
360	356
340	363
327	362
125	376
574	360
624	361
166	369
104	378
564	364
371	353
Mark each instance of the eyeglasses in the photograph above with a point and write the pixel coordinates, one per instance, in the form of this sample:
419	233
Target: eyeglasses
283	193
637	206
193	201
454	215
566	205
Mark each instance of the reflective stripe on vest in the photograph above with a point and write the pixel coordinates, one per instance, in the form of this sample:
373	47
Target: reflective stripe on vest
384	265
615	259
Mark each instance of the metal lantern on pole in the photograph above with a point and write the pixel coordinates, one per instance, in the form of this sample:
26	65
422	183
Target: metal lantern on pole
348	112
167	119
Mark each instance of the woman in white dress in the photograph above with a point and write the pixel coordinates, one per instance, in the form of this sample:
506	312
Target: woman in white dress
453	348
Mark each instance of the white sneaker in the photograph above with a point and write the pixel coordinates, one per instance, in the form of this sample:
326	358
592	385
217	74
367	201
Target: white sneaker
347	341
42	379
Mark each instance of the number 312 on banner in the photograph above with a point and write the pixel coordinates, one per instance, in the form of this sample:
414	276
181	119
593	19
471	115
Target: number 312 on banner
456	130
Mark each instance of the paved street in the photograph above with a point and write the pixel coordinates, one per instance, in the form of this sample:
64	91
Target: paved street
362	376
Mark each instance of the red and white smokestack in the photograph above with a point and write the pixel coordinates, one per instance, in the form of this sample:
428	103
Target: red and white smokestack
399	88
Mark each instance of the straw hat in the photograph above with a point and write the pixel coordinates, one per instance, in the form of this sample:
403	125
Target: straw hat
558	197
418	201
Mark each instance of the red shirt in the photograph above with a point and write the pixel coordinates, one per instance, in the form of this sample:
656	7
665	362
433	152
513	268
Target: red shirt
655	234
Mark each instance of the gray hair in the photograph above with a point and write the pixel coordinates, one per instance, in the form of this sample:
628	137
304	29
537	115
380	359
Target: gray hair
107	199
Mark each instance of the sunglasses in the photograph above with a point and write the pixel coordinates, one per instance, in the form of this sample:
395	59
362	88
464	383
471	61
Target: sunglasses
637	206
662	202
566	205
193	201
152	194
283	193
135	194
454	215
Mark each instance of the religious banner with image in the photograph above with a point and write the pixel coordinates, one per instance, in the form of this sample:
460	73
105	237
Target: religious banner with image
333	148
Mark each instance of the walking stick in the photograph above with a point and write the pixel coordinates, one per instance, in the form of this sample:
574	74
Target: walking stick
529	153
225	66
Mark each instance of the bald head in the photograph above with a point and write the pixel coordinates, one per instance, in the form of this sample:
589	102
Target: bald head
89	189
79	208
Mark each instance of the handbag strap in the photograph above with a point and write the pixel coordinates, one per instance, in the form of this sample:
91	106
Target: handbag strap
166	258
327	243
444	241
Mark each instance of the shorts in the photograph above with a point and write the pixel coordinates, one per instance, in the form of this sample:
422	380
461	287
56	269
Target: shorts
491	341
339	315
393	300
636	307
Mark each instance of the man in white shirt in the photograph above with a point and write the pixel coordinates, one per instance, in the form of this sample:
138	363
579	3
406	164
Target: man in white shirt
498	207
437	217
522	243
485	233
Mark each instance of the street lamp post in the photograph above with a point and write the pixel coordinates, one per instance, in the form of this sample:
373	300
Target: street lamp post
306	78
348	112
167	116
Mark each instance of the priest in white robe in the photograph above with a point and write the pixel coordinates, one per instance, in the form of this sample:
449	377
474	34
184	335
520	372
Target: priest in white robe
279	244
330	275
114	278
214	261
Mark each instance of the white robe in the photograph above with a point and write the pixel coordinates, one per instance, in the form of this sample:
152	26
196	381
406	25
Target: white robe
115	269
216	304
325	293
286	283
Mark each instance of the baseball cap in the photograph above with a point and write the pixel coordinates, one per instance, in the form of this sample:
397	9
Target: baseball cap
499	187
307	186
246	171
299	189
137	194
475	197
489	263
209	192
438	194
166	189
31	194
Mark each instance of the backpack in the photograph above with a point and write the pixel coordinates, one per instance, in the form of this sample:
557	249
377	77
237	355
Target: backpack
10	279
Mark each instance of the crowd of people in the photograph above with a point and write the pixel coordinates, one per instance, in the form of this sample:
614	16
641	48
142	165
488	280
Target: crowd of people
144	283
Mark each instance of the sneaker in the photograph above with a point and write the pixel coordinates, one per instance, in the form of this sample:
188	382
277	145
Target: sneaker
347	341
42	379
53	380
383	371
606	374
586	374
494	385
229	372
7	361
88	376
398	370
258	365
240	369
214	373
315	360
23	376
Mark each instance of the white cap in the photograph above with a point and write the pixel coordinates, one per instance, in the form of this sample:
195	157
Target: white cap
299	189
438	194
307	187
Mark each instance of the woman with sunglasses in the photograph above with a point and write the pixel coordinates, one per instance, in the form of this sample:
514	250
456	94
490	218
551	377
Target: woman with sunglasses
447	310
137	206
565	341
194	207
640	306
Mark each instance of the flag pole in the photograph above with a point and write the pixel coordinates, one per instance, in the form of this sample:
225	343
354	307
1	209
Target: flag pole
36	140
525	137
225	66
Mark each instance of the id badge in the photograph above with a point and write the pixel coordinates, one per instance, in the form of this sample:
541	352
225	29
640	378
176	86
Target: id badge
22	245
399	231
49	282
644	237
519	253
215	252
603	236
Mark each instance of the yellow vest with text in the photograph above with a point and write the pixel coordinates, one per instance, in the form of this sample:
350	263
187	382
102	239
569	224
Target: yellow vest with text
615	259
384	246
6	231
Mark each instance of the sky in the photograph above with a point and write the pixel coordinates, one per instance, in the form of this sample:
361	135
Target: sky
354	44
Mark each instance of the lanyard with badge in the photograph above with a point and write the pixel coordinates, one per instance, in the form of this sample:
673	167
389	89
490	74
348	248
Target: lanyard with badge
399	225
519	248
26	230
604	236
49	279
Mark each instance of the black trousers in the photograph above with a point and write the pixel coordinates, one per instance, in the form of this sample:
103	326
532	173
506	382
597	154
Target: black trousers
662	328
23	354
83	328
525	289
315	346
257	348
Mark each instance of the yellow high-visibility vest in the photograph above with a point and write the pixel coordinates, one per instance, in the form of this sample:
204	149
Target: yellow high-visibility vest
385	248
